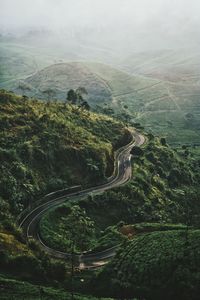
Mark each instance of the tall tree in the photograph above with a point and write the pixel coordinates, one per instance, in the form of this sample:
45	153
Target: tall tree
85	105
72	96
80	92
50	93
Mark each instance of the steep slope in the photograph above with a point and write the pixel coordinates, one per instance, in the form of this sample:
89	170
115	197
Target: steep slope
164	188
46	146
103	83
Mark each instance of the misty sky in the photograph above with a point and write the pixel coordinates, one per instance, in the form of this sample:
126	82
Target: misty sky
177	19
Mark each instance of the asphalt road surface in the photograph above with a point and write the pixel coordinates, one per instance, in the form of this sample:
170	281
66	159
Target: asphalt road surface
123	171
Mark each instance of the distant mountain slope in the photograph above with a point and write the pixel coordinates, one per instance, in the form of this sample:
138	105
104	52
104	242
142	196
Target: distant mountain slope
179	66
160	88
64	76
19	61
103	83
173	107
170	108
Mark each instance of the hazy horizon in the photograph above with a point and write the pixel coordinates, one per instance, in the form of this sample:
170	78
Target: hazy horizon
143	25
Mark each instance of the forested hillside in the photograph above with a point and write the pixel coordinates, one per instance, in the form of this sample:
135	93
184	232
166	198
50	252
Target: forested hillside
46	147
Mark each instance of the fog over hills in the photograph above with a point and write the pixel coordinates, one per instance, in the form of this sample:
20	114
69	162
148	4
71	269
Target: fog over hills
153	41
123	26
99	149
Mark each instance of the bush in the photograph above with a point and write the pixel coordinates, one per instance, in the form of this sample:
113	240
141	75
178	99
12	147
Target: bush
163	142
137	151
154	266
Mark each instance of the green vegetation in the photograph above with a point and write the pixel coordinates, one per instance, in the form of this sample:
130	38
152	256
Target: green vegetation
14	289
153	266
67	225
164	189
76	97
18	61
47	146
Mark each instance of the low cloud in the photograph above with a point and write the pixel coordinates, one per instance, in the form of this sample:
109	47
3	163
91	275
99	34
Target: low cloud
161	20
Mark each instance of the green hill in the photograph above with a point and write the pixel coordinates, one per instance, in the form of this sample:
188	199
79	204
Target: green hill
61	77
165	107
164	189
172	65
172	107
159	89
159	265
47	146
17	61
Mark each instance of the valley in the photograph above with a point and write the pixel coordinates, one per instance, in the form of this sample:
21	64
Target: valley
48	146
99	150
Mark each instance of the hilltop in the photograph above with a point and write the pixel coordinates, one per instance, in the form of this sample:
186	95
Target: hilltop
63	76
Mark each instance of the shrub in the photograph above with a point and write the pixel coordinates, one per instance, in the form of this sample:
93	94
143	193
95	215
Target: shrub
137	151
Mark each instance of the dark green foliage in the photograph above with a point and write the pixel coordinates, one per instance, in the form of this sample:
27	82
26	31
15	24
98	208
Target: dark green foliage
137	151
76	97
85	105
18	290
5	215
155	266
45	147
72	96
163	142
149	197
51	146
67	225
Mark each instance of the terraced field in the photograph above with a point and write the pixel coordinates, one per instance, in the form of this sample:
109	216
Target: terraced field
165	107
19	61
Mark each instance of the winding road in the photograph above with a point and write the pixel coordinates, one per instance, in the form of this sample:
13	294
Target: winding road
30	222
